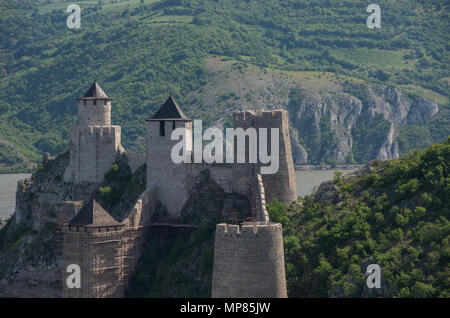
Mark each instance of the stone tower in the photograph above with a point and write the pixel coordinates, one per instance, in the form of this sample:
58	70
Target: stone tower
164	176
94	142
249	261
93	241
280	185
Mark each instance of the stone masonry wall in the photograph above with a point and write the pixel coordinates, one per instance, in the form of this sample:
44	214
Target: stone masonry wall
170	180
135	160
249	261
98	252
280	185
107	256
93	149
94	115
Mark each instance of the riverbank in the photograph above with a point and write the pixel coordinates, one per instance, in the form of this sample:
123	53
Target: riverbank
16	169
327	167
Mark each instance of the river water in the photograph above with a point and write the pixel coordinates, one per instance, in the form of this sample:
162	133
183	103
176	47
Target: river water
306	182
8	184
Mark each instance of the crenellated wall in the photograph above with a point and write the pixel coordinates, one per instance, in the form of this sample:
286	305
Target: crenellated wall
249	261
280	185
94	142
93	149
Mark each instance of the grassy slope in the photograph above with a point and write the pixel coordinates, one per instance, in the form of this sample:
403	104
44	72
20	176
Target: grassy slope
141	52
396	215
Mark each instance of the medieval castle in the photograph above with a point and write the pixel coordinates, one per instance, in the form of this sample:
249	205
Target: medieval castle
248	256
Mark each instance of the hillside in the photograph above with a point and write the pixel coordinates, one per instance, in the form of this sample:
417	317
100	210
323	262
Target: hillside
334	119
393	213
140	51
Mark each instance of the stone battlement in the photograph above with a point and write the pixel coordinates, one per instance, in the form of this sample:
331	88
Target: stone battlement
85	229
94	112
248	228
98	130
281	185
93	149
249	261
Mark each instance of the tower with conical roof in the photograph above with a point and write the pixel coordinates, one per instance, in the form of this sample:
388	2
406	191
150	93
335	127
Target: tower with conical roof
94	142
93	241
165	176
94	108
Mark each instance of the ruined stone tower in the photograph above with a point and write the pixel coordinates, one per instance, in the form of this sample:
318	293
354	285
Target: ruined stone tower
94	142
280	185
166	178
249	261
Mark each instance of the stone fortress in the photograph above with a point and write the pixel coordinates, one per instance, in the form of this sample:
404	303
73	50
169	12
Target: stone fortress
248	256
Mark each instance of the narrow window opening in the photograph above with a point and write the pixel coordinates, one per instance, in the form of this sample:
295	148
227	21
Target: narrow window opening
173	125
162	131
84	102
95	102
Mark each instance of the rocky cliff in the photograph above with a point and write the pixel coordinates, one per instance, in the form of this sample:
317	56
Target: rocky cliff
358	124
30	253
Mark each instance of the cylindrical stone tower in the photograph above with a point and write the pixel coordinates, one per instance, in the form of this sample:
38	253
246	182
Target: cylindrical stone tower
94	108
249	261
94	142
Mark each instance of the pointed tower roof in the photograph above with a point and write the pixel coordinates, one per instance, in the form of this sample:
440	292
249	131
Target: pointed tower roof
170	111
93	215
95	92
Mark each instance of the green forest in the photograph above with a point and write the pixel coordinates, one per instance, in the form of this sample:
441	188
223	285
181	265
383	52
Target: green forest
395	215
140	51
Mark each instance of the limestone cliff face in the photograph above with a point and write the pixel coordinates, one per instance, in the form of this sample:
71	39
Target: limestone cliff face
359	124
41	196
30	257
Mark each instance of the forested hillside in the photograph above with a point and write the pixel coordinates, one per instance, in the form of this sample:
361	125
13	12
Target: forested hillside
140	51
393	213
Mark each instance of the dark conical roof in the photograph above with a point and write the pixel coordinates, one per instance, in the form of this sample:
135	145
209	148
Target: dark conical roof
170	111
95	92
93	215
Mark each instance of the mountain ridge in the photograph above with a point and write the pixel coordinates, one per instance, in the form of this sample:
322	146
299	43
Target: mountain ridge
142	52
